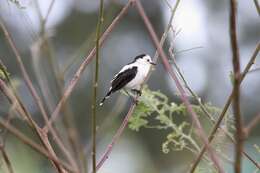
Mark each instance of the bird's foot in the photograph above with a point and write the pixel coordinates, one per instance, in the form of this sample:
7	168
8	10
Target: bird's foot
135	101
138	92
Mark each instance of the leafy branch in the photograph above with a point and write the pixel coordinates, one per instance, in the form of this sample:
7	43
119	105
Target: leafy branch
156	111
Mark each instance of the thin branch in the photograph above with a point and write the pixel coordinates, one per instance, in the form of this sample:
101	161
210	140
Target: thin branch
95	85
257	164
35	50
102	128
20	108
226	106
45	42
203	108
34	145
236	99
82	67
257	69
24	72
45	19
186	50
6	159
116	137
255	121
167	66
173	11
36	98
257	7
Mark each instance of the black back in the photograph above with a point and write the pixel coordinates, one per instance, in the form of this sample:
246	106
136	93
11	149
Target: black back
123	78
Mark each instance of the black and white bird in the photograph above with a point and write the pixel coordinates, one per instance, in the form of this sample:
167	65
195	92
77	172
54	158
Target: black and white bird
131	76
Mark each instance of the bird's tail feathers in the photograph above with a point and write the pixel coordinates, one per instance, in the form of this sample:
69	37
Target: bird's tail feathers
106	97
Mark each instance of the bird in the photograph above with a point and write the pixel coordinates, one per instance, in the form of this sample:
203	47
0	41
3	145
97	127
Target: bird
131	76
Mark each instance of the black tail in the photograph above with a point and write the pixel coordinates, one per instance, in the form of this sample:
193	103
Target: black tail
106	97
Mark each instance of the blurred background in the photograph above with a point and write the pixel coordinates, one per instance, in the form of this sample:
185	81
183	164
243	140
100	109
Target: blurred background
202	50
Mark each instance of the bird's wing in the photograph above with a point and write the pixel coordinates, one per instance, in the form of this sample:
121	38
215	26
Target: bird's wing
123	77
123	69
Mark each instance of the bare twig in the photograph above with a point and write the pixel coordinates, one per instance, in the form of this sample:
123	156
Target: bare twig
257	164
35	50
95	85
226	106
35	146
130	112
116	137
24	72
257	7
115	113
203	108
167	66
257	69
20	108
82	67
236	99
45	19
251	62
255	121
36	97
6	159
164	36
189	49
43	41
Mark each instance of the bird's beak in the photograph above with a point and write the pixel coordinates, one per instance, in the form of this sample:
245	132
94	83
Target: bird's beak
153	63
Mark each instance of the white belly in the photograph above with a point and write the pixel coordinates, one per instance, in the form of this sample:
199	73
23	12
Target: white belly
139	78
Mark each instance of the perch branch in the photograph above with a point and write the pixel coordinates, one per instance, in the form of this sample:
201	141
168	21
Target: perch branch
116	137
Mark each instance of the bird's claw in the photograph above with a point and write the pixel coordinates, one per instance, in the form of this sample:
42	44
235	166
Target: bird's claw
138	92
136	101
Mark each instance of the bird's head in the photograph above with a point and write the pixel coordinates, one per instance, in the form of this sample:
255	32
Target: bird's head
144	59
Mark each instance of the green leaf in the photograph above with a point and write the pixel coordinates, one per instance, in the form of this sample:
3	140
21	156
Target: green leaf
156	111
138	119
257	148
3	72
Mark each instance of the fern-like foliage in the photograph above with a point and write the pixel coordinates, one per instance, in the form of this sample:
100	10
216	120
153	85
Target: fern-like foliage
156	111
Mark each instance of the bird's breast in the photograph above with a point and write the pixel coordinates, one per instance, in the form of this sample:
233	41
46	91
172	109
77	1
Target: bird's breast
141	74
